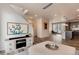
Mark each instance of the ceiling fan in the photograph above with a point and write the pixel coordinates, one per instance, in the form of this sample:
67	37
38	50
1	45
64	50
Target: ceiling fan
45	7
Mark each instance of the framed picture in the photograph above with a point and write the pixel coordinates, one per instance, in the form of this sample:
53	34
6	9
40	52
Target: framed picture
17	28
45	25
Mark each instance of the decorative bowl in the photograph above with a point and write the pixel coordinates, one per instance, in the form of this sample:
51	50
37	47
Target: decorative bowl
51	46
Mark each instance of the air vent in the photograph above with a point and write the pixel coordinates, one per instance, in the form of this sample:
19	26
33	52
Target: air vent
47	6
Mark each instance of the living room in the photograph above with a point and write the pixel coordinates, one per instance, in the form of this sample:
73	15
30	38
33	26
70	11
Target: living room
39	29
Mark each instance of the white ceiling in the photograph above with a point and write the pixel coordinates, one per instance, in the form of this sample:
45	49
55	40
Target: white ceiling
63	9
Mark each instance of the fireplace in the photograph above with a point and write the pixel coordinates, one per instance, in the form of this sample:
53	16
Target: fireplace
20	43
16	45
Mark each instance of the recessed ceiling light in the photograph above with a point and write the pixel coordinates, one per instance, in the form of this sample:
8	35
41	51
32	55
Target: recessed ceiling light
55	14
25	11
65	24
77	10
36	15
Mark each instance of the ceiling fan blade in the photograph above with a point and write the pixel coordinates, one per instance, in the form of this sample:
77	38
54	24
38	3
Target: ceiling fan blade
47	6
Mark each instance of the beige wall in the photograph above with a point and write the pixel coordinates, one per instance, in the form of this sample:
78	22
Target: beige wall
34	25
41	32
38	26
46	32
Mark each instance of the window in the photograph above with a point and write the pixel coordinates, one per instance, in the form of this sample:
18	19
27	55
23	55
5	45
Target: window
56	28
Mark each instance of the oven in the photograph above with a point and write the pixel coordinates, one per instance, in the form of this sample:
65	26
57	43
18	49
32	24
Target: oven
20	43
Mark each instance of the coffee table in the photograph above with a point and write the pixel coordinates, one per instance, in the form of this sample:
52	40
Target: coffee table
40	49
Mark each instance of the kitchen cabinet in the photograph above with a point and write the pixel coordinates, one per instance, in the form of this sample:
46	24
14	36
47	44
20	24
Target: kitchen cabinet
68	34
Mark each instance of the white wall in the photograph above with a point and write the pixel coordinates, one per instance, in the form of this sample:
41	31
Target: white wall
34	25
41	32
45	31
9	15
0	35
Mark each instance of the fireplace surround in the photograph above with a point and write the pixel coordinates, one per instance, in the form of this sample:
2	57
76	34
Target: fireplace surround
20	43
17	45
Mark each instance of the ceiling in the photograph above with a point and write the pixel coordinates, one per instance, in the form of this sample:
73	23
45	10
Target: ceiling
56	9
